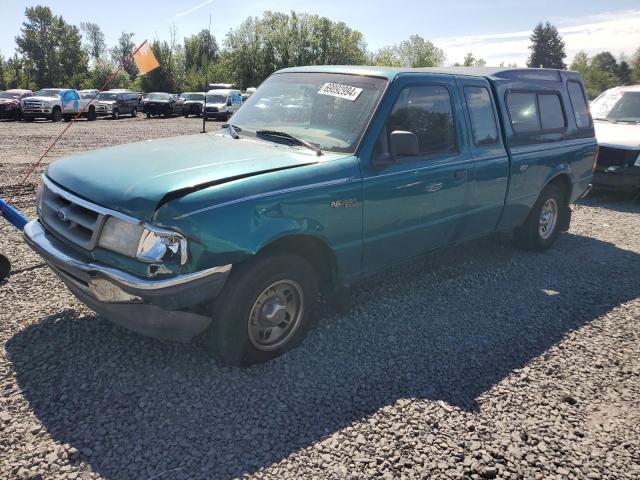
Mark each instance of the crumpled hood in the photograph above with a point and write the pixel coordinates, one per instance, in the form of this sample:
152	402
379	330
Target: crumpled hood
9	101
621	135
135	178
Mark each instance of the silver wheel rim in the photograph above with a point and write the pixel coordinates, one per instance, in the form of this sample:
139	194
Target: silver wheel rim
548	218
275	315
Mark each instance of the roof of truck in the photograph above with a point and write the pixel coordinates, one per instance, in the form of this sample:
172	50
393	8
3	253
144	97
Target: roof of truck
549	74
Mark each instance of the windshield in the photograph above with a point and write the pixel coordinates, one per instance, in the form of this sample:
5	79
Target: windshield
617	106
158	96
213	98
48	92
327	110
107	96
9	95
195	96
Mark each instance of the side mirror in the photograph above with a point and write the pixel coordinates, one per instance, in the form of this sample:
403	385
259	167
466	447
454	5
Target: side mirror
403	143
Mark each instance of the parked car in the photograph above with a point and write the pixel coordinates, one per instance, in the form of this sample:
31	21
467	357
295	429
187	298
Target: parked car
222	103
10	103
165	104
246	223
193	103
55	104
617	121
114	103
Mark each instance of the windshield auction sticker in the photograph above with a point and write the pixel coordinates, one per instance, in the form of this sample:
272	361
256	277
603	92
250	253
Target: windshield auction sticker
341	91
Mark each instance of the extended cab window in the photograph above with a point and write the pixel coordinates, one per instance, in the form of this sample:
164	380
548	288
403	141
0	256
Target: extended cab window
427	112
483	120
523	110
533	112
551	114
579	103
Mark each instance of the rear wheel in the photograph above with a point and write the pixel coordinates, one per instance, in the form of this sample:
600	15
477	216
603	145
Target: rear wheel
264	309
542	226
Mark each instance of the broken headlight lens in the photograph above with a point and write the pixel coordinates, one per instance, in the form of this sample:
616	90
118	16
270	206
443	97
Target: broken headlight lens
145	242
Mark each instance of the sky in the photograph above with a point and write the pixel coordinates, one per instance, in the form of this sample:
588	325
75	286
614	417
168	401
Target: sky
496	30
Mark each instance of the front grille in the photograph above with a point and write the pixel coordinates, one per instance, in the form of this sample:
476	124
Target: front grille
615	157
32	104
69	220
212	109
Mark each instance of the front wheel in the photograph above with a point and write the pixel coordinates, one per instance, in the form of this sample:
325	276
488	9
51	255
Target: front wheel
115	114
134	113
91	116
543	224
56	115
264	309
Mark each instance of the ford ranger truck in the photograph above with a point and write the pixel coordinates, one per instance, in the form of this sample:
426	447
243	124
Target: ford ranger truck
324	175
57	103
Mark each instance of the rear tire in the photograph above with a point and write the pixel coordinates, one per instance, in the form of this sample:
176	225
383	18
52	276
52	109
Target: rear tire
264	310
544	222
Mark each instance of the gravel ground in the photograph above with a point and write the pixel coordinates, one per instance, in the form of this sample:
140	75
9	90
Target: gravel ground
480	362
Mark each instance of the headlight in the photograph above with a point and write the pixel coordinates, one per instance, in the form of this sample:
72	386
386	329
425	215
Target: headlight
39	197
145	242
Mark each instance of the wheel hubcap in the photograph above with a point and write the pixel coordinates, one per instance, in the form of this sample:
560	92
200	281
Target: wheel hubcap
548	218
275	315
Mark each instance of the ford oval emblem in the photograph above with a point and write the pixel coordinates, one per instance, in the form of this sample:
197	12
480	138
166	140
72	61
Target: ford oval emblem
62	215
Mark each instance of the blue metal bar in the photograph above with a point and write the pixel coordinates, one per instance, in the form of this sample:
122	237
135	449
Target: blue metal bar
13	216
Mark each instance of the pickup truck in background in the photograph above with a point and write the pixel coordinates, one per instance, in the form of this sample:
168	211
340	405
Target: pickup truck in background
617	121
57	104
324	175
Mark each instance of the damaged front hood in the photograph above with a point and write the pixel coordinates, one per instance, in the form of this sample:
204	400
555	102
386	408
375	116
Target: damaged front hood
135	178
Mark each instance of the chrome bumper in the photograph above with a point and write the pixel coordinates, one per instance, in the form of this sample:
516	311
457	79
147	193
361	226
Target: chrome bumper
154	307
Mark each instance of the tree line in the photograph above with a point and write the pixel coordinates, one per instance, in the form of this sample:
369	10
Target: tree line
51	52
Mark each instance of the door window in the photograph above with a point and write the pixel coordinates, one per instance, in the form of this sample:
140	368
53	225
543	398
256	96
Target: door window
483	120
425	111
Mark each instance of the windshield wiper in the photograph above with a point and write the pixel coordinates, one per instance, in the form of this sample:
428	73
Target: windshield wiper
288	136
233	131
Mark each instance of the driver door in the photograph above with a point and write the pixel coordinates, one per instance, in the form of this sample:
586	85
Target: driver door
414	203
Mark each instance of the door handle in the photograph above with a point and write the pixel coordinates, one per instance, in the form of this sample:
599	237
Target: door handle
460	174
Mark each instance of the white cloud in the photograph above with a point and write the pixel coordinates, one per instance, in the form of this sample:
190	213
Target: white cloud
193	9
615	32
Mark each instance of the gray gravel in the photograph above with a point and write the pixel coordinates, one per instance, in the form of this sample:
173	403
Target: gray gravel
480	362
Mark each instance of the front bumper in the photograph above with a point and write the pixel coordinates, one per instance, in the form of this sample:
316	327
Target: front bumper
152	307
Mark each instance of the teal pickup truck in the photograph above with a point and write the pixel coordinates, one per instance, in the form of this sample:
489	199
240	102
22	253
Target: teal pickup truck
324	175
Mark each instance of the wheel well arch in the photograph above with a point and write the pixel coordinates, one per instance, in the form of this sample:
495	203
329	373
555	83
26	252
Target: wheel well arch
313	249
563	181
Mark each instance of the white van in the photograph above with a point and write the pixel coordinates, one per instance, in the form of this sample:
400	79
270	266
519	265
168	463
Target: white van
222	103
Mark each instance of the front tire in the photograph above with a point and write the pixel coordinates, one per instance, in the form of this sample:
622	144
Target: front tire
264	309
56	115
91	116
116	114
544	222
134	113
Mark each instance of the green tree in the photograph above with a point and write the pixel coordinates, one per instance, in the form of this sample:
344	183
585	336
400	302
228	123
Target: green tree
387	57
121	54
51	49
418	52
580	62
104	70
635	66
624	72
3	80
606	62
94	46
547	47
200	50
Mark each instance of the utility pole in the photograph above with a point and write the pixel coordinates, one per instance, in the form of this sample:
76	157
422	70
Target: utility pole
206	72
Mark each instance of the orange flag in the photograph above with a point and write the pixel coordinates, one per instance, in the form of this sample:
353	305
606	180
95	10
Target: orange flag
145	59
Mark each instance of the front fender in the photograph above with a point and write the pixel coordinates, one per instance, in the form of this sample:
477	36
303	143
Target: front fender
232	221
